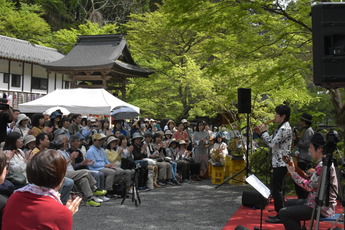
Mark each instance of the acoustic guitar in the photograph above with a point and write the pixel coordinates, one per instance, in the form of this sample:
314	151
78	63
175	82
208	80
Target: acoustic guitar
303	174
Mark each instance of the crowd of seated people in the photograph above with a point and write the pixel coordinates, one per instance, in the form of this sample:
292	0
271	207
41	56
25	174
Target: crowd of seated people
98	157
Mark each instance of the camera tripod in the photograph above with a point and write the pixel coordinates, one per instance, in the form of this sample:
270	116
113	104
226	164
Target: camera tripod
323	190
133	187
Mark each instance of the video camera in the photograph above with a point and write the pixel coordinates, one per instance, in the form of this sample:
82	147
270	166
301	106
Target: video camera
332	139
3	104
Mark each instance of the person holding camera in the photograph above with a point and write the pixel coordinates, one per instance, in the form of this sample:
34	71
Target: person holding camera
297	210
6	116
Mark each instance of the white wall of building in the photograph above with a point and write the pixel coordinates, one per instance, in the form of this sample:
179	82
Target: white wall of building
55	80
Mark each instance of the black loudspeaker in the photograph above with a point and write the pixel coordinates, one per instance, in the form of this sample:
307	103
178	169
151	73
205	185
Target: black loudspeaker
244	100
253	199
328	21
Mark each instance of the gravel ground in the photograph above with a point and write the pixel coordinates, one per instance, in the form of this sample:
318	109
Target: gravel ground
191	206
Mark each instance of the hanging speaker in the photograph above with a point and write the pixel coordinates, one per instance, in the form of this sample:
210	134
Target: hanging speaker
244	100
328	21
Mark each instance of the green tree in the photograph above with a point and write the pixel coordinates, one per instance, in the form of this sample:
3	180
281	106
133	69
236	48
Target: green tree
23	23
235	44
274	37
65	39
180	87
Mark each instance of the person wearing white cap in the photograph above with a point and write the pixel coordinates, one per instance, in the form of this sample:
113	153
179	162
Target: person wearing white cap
22	125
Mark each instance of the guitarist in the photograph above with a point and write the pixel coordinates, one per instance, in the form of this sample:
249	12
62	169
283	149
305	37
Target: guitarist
280	145
302	149
297	210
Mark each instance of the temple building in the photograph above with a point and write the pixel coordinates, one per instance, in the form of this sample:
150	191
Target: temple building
99	61
22	78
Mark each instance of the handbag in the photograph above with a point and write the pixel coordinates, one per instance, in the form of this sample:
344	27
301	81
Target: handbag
127	163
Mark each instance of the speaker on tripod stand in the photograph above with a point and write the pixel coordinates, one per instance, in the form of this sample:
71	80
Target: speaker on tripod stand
244	100
245	106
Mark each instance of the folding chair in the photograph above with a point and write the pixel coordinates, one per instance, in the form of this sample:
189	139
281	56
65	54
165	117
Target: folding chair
336	218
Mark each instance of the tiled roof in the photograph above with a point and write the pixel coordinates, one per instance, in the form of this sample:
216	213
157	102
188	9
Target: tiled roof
20	50
99	52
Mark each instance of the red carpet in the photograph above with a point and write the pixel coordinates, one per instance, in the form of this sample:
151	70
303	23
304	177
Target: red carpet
250	218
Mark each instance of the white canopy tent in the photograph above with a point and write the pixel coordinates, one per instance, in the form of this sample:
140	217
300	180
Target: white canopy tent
80	100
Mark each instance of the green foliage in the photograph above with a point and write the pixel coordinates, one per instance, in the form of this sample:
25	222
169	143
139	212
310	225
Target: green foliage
65	39
23	23
180	86
235	44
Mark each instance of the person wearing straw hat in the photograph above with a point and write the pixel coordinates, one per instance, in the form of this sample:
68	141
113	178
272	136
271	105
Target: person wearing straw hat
178	168
114	156
167	136
29	144
111	150
301	149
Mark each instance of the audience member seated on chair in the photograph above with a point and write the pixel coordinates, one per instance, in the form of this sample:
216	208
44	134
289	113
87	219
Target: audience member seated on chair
164	167
37	205
29	144
37	124
42	143
180	166
22	125
101	163
74	126
86	184
18	161
185	155
80	163
139	153
297	210
127	159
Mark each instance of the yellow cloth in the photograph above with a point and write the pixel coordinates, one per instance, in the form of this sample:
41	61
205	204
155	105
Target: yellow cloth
36	130
113	156
35	150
